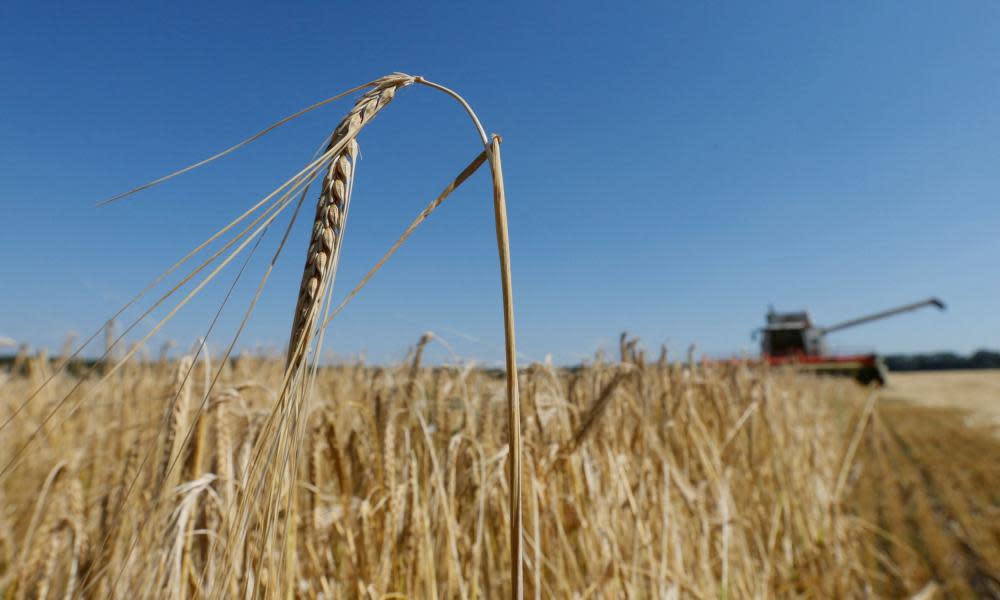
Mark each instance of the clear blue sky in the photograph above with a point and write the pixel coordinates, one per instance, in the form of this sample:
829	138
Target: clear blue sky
672	168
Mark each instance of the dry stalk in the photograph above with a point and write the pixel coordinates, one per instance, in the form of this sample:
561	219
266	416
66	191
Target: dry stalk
418	353
510	355
172	438
595	410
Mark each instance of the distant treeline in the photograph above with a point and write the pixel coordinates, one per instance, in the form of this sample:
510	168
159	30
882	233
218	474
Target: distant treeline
981	359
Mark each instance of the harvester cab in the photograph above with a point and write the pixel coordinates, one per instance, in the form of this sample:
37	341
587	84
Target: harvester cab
792	338
790	334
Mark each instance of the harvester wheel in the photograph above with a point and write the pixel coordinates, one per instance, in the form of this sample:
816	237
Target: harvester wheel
877	374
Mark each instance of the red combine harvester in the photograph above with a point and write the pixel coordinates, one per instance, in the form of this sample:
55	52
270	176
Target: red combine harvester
790	338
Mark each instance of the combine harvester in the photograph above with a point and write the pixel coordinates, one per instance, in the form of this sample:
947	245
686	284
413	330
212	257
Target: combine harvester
790	338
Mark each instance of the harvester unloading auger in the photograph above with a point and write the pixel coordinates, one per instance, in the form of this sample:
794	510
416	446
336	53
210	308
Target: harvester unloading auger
790	338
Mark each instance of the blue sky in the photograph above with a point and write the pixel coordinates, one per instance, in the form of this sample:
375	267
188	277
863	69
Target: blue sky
672	168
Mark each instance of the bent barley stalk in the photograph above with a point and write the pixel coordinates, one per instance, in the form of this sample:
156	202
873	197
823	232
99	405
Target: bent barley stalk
282	435
324	252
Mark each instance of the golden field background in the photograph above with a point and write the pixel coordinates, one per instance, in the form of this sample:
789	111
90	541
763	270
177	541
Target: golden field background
642	479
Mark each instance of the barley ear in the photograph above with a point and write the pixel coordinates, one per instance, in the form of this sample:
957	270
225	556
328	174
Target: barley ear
331	212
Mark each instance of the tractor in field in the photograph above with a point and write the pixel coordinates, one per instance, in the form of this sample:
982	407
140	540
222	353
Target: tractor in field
791	338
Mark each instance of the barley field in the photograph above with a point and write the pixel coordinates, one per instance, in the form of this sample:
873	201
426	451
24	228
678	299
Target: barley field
641	480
